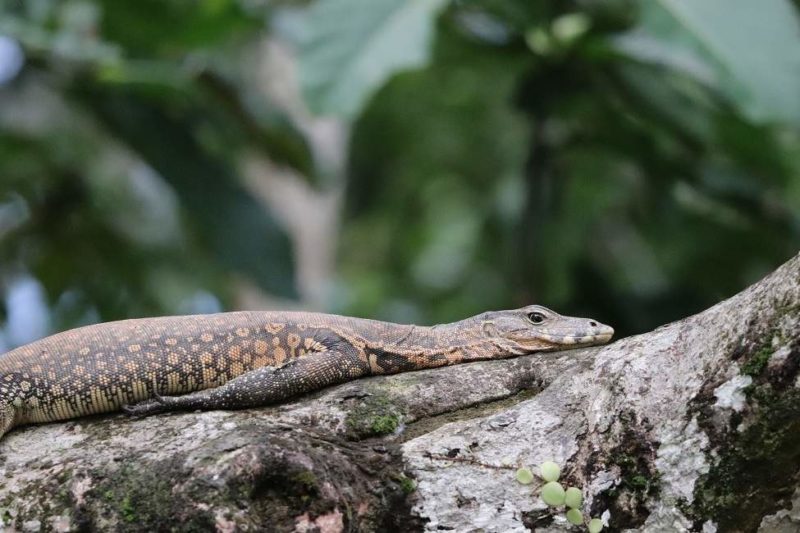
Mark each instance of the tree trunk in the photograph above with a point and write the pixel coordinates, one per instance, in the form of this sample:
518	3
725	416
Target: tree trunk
694	426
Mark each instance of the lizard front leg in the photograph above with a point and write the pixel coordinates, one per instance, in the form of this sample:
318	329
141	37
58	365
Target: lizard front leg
263	386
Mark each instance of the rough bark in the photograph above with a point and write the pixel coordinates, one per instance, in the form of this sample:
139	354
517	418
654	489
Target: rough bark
694	426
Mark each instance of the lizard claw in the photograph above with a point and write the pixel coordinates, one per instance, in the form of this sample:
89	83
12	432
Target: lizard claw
157	404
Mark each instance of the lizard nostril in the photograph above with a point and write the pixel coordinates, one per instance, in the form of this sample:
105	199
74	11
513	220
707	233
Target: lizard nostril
593	323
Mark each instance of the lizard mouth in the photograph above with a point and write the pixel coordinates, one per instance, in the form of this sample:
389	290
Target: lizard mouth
600	337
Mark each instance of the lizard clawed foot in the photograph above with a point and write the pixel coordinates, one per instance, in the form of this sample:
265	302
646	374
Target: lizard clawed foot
157	404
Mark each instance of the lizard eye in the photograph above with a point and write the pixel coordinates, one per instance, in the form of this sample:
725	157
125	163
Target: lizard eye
536	318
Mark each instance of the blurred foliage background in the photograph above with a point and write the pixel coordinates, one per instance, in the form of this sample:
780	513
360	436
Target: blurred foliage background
412	160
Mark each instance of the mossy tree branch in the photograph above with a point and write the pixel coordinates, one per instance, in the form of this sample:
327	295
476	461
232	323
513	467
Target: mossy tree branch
692	426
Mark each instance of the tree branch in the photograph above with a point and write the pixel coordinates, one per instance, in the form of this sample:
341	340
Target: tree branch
692	426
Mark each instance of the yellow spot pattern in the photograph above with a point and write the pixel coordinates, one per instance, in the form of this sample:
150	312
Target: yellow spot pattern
101	368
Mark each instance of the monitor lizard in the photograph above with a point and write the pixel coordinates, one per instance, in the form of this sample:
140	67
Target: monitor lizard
248	359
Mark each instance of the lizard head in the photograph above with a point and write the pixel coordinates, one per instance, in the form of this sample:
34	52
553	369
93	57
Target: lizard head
535	328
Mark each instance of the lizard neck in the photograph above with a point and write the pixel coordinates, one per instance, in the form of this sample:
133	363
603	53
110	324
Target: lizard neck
403	348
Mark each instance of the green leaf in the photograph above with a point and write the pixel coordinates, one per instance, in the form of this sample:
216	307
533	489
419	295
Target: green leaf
525	476
352	47
750	51
550	471
573	497
575	517
272	131
148	28
553	494
595	525
236	228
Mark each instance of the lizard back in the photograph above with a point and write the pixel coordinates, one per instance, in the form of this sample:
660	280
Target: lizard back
99	368
241	359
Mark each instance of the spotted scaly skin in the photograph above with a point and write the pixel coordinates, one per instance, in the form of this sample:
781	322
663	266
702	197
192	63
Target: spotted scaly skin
248	359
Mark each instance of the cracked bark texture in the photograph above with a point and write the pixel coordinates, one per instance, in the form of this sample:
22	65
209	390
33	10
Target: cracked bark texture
692	427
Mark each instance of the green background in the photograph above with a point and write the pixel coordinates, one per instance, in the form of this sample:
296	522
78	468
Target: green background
632	161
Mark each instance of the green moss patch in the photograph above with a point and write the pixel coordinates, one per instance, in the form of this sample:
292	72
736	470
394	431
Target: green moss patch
140	498
757	454
305	478
755	473
756	364
634	459
374	416
385	424
406	484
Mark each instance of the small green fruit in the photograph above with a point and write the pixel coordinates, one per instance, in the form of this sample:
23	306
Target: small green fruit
550	471
595	525
553	494
575	517
525	476
573	498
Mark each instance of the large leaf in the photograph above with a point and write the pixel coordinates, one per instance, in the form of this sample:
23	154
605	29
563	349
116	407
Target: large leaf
151	27
351	47
750	51
269	129
234	225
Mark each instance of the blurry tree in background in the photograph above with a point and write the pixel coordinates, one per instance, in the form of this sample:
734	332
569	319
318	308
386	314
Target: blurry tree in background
633	160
